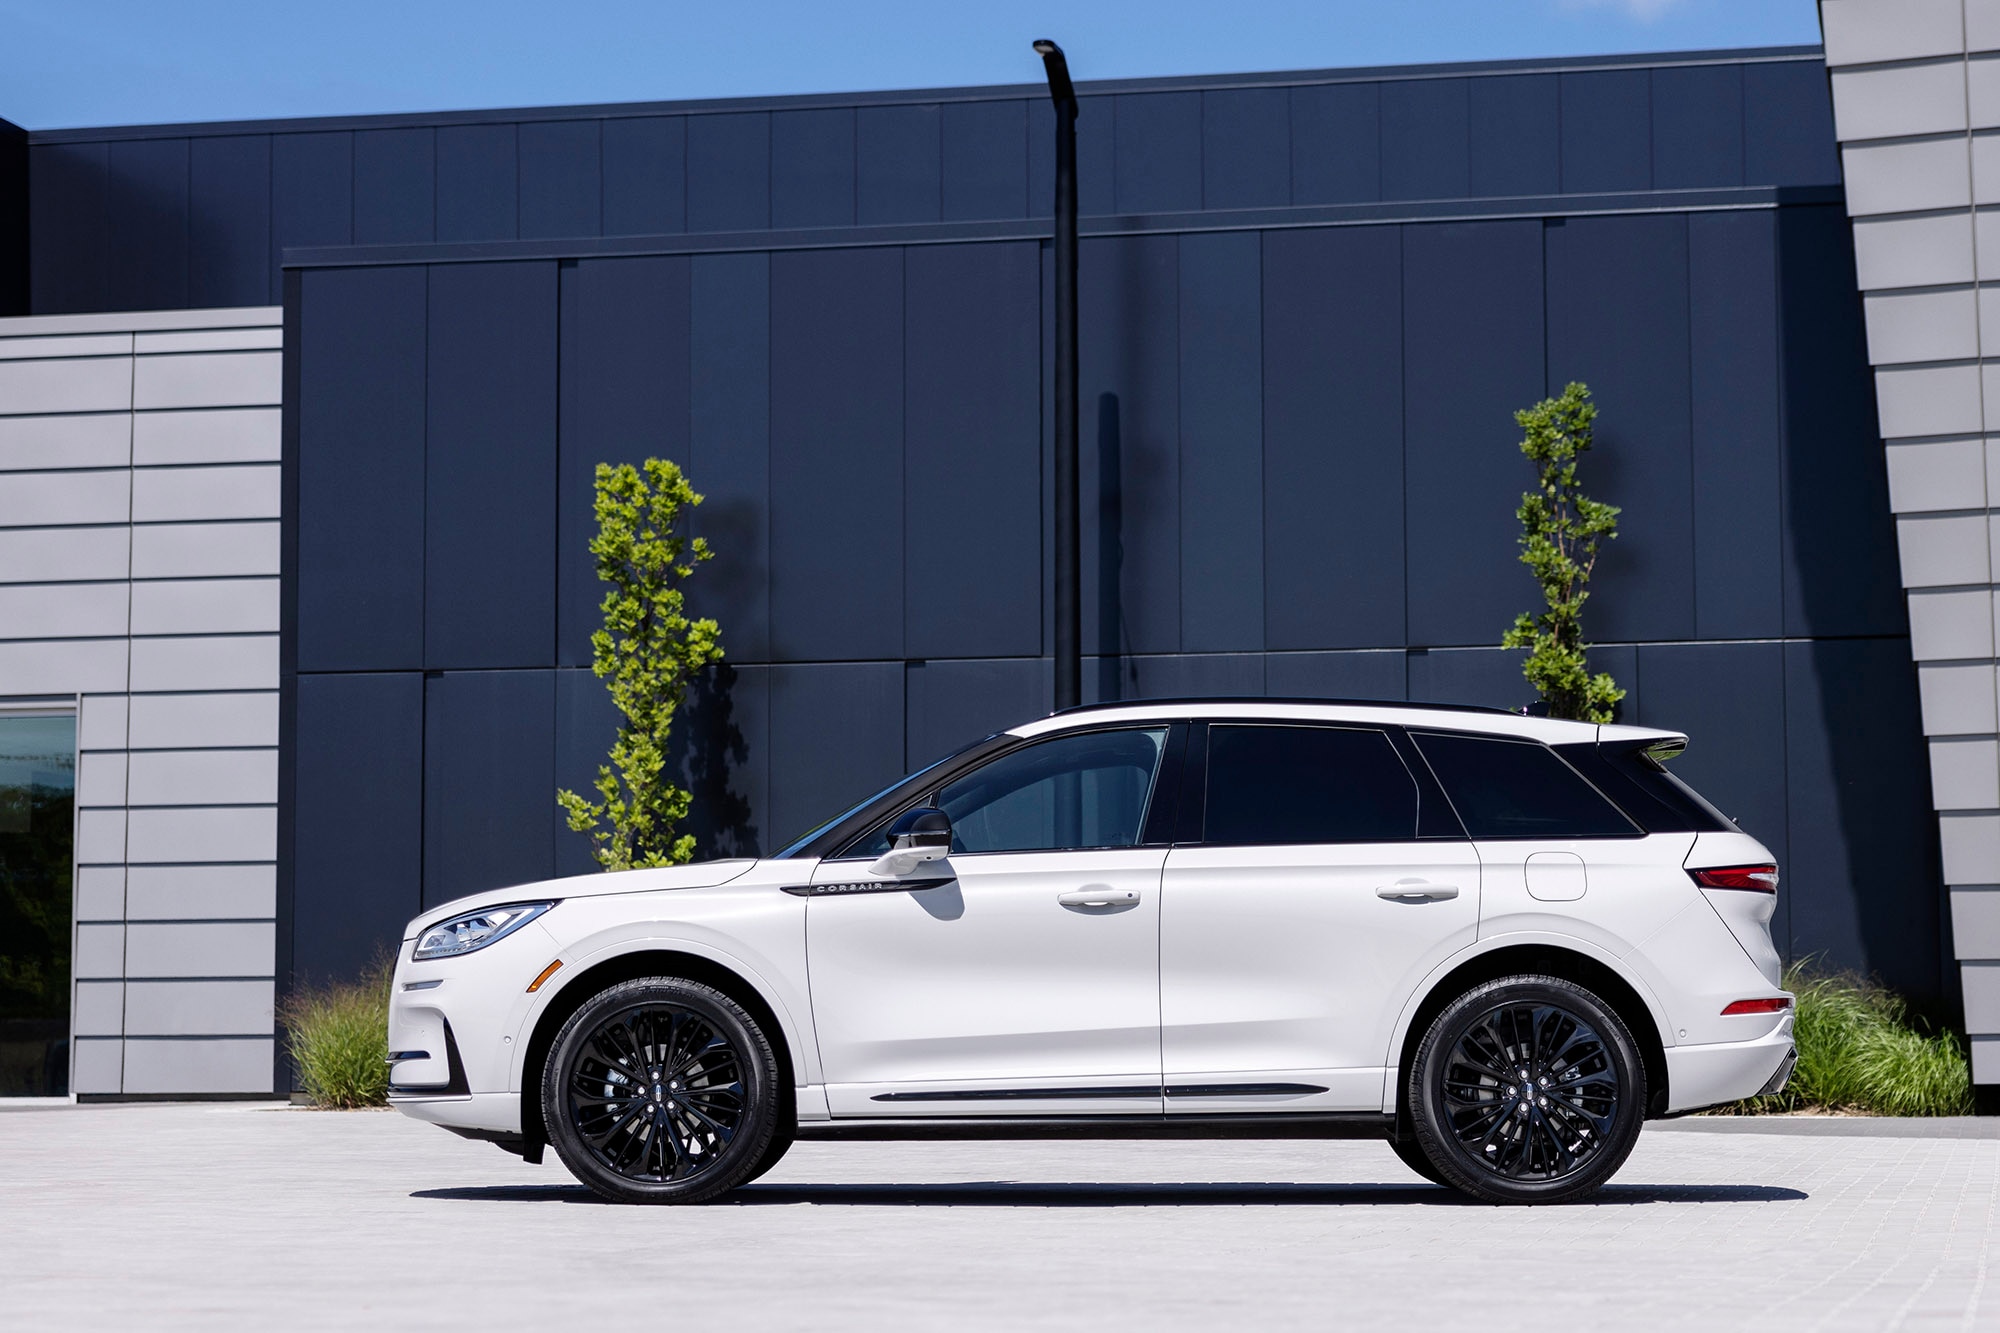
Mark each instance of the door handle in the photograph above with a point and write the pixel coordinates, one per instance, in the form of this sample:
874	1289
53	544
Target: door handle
1417	891
1098	897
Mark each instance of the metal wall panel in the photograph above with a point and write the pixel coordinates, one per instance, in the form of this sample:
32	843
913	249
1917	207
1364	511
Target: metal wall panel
1333	439
1222	442
1516	135
729	445
1607	131
1158	154
478	186
490	467
1426	139
395	185
898	165
729	172
1246	148
812	168
984	160
488	781
561	185
1336	143
229	220
645	176
973	499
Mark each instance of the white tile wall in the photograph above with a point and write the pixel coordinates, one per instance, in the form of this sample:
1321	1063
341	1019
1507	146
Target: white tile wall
1915	104
139	500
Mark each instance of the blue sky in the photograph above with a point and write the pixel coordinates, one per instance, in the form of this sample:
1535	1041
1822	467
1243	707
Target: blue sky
114	62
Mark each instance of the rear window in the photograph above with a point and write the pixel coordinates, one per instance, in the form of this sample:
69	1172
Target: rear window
1286	784
1518	789
1658	800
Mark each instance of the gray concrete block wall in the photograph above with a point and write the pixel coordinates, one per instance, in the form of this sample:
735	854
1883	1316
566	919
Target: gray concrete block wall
1916	96
139	552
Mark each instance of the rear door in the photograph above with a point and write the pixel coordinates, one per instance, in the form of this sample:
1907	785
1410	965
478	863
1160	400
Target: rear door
1318	878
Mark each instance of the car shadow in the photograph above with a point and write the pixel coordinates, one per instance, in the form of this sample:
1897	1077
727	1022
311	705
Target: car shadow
1026	1194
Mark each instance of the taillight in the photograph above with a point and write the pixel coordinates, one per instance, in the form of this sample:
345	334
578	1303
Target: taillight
1761	879
1777	1004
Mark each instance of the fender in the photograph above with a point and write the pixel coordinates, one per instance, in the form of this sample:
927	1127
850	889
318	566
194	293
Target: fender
1392	1058
676	937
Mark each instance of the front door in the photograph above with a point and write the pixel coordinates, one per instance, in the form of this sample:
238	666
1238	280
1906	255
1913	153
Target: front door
1020	975
1297	926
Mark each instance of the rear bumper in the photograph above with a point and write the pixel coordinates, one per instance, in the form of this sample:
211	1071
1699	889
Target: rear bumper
1728	1071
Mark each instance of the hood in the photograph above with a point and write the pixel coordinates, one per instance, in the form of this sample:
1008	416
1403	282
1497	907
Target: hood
701	875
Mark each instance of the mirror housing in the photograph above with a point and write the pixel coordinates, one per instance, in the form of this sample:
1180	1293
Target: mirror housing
917	836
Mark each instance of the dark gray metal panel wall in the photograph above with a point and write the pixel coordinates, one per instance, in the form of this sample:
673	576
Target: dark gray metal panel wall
127	219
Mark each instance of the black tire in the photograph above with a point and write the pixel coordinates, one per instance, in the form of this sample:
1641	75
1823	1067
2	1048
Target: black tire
662	1090
1528	1089
1413	1157
782	1139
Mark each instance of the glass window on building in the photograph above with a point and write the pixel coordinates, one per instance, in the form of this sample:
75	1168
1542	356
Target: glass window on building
37	824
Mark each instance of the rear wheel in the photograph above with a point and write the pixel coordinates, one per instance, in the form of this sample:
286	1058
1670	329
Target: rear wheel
1528	1089
662	1090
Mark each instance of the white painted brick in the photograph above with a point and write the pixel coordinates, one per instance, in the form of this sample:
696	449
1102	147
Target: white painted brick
207	777
1934	551
194	721
100	1009
100	893
198	1008
1946	474
62	610
1971	848
208	379
1908	99
100	778
1922	326
1931	400
87	344
34	555
1958	700
100	836
76	666
1864	31
201	949
205	606
220	1064
209	340
182	550
100	951
1975	923
82	385
100	724
184	893
1982	996
1906	177
1946	625
1965	775
197	834
98	1066
47	499
1913	252
170	494
101	440
229	435
236	662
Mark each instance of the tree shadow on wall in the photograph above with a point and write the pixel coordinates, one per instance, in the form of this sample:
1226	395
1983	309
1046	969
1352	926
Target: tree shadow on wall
711	749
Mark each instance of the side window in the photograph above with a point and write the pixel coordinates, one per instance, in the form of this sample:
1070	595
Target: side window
1291	784
1070	792
1518	789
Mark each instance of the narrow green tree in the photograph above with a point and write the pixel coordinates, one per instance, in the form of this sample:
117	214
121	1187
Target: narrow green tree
1561	530
650	651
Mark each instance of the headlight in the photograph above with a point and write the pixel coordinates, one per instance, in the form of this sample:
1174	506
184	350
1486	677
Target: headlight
475	930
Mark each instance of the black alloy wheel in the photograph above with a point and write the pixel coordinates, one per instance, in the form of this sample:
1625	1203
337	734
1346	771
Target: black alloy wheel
1528	1089
662	1090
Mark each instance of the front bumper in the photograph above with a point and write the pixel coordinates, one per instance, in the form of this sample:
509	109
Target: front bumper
1727	1071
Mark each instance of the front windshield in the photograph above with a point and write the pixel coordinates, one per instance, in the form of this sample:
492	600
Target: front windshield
800	842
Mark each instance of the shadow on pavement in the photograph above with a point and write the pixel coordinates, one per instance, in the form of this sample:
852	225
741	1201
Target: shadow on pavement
1012	1194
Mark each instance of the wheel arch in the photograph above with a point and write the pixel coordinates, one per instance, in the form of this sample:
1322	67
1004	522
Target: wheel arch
646	962
1553	960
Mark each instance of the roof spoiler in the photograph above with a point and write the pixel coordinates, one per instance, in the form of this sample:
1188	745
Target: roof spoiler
1658	746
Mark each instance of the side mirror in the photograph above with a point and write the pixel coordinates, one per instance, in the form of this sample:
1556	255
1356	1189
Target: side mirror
917	836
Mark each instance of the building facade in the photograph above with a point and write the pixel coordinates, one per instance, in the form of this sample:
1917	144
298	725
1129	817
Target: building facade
1311	304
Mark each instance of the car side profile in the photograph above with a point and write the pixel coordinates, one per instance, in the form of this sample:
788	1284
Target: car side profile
1498	942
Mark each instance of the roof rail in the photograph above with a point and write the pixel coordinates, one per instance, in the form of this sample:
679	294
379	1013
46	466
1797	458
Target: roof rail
1280	699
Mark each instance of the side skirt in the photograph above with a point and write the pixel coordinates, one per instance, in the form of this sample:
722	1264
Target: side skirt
1332	1125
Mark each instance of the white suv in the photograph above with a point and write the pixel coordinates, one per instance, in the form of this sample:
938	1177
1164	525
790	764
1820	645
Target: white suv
1498	942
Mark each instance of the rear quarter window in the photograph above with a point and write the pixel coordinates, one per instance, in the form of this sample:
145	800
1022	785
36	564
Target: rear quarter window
1518	789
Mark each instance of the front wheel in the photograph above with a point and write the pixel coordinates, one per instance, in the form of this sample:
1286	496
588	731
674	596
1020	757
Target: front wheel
1528	1089
661	1090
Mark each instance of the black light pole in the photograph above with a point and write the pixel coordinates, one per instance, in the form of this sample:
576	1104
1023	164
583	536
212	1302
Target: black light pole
1068	578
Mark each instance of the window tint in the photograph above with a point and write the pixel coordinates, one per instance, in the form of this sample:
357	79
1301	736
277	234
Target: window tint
1306	784
1518	789
1657	800
1087	790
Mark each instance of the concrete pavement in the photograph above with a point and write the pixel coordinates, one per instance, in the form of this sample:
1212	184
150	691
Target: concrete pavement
226	1216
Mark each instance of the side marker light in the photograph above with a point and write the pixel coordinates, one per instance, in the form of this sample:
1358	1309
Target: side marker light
547	972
